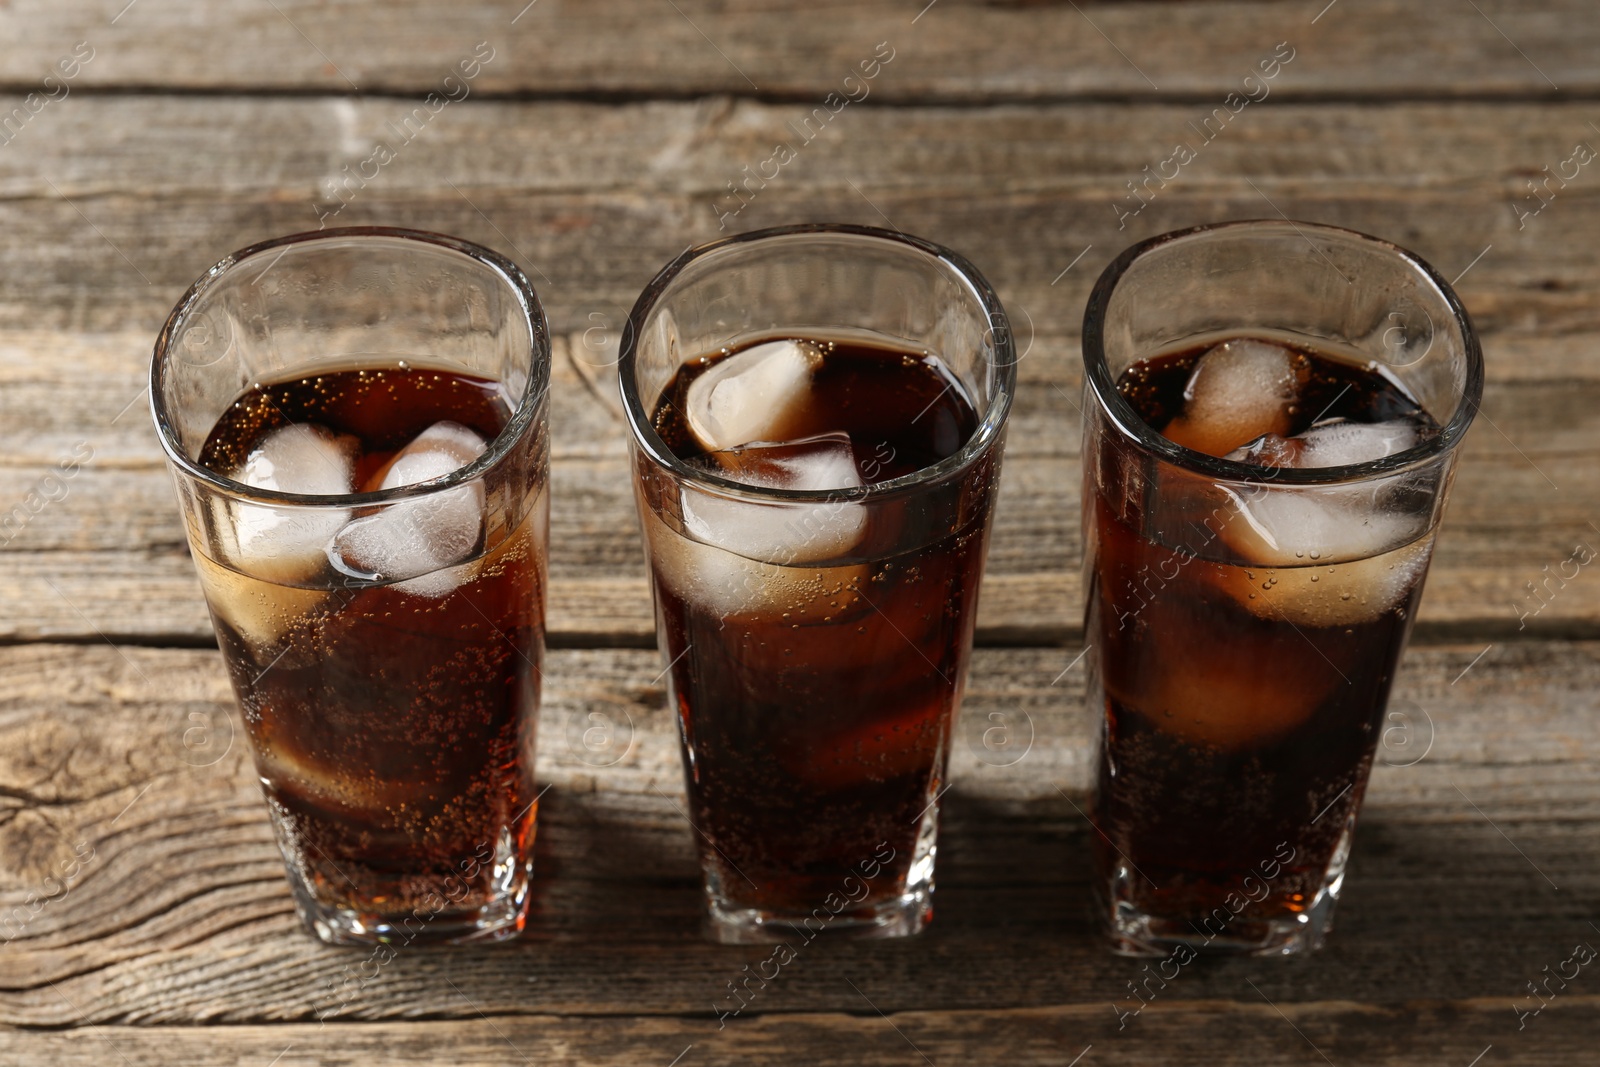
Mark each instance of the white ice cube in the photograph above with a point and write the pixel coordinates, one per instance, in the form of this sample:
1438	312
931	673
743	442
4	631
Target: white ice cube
728	584
435	452
741	556
754	395
1332	556
287	544
786	532
301	458
1337	554
1237	392
1298	525
417	539
1338	444
1331	444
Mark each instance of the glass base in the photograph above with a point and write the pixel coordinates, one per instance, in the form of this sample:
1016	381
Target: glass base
496	920
901	917
1137	933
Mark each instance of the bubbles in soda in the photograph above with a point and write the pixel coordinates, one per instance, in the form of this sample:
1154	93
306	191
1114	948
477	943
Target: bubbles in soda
815	644
1249	630
386	660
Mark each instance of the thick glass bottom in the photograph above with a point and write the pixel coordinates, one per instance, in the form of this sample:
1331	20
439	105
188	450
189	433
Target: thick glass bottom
835	917
1134	932
901	917
502	917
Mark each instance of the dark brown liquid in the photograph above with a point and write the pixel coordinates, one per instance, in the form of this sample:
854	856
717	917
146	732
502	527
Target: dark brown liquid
394	733
903	411
817	728
1238	738
1330	389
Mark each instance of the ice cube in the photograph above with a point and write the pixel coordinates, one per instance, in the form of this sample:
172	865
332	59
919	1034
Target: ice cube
1271	450
822	461
287	544
1340	594
1278	526
435	452
758	394
341	787
783	532
301	457
1336	443
1341	553
1215	690
261	612
1238	391
1327	556
418	539
728	584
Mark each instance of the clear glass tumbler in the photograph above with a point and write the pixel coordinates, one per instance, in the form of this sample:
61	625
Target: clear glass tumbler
357	426
817	638
1245	617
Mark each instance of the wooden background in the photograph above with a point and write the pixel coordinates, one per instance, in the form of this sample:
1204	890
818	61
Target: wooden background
597	143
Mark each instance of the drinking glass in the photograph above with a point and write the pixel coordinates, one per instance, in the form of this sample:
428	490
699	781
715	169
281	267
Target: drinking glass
1244	622
390	703
816	683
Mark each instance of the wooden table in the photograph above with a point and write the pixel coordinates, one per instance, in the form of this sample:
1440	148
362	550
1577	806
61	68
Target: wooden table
597	140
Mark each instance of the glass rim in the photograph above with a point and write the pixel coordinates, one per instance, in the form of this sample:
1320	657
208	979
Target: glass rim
533	393
984	436
1132	426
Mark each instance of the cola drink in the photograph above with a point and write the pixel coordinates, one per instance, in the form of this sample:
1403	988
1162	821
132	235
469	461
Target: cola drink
357	426
1273	416
816	645
386	658
1247	632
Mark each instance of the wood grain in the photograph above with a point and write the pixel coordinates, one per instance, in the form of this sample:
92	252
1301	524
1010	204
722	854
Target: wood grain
593	199
957	50
1421	1033
183	915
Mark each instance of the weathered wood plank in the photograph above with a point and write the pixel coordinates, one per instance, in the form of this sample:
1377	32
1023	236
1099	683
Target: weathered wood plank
234	146
956	50
183	916
1420	1033
593	199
